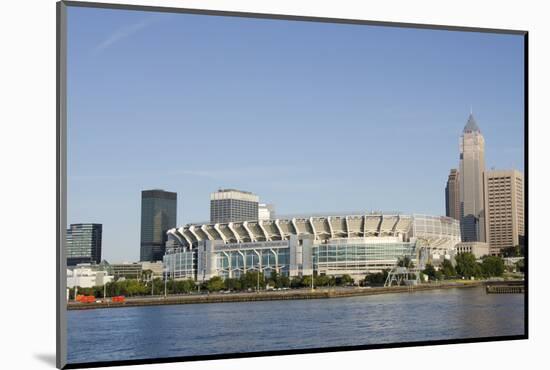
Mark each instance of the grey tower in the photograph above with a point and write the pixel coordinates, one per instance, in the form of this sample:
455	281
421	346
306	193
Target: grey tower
452	195
84	243
471	184
158	214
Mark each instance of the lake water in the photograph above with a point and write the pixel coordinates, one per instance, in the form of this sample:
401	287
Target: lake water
201	329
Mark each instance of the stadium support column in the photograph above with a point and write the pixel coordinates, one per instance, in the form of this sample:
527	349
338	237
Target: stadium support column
295	252
206	260
307	256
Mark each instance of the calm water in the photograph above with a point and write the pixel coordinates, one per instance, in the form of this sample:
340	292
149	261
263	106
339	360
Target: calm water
198	329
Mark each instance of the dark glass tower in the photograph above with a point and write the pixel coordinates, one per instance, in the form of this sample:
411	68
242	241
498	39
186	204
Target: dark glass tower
158	214
84	244
452	195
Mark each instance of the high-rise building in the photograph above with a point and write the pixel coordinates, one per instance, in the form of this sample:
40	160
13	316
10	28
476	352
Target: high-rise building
84	243
158	214
472	168
231	205
504	209
452	195
266	211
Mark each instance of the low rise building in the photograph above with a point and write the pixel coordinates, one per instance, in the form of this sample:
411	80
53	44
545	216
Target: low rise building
127	270
86	276
478	249
157	268
266	211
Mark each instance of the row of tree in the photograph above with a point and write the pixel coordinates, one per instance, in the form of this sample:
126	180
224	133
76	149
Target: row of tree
251	280
467	267
134	287
515	251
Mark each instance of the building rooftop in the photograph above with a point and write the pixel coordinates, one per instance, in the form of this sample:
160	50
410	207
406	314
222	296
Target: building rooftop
318	227
234	194
236	190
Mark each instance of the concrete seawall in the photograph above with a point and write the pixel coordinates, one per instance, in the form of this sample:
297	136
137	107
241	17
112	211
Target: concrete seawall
267	296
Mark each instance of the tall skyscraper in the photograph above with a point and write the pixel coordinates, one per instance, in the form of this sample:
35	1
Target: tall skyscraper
231	205
504	209
158	214
471	172
84	243
452	195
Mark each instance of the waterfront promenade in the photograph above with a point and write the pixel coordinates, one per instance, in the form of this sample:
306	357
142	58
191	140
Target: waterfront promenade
291	294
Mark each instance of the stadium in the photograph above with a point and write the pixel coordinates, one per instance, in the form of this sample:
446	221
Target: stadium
327	245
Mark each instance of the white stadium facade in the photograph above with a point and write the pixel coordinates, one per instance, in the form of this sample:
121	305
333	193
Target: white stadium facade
329	245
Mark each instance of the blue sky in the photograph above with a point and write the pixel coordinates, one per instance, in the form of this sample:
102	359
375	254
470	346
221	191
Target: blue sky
312	117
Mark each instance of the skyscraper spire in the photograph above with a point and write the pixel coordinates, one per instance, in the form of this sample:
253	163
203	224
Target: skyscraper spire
471	125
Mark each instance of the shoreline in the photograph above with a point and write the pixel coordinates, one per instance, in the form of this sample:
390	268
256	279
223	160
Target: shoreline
320	293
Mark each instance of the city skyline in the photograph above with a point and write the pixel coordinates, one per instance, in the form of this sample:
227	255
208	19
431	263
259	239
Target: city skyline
330	120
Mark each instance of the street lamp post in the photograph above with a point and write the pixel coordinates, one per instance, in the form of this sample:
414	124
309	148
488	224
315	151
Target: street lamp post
165	281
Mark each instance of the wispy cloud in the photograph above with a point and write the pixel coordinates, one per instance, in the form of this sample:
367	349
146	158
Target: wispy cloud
257	172
123	33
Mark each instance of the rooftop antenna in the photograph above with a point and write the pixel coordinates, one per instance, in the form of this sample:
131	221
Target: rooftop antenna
471	109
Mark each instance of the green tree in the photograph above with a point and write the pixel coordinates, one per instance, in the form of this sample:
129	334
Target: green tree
345	280
232	284
429	271
492	266
478	272
466	265
215	284
159	283
515	251
378	278
285	282
250	279
322	280
296	282
306	281
189	285
181	286
520	266
448	269
275	279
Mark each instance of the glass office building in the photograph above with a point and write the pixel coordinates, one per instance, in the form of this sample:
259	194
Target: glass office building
358	256
158	214
181	265
84	243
